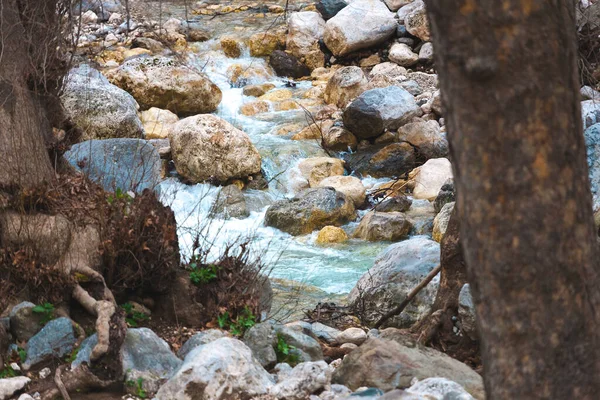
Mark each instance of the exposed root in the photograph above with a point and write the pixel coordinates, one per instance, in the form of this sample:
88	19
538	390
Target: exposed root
105	311
60	385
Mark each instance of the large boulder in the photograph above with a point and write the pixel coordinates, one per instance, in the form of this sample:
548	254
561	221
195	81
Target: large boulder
429	178
329	8
125	164
163	83
396	272
206	147
380	161
376	110
312	209
376	226
351	186
220	370
315	169
100	109
55	340
365	23
285	64
344	85
389	365
427	137
416	21
305	30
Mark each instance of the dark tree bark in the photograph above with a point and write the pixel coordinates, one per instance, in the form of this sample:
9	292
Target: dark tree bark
509	86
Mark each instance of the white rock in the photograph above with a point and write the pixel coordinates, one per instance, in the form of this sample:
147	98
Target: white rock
426	52
305	379
352	335
89	17
315	169
44	373
362	24
429	178
9	386
395	5
305	29
416	21
439	388
158	123
351	186
403	55
221	369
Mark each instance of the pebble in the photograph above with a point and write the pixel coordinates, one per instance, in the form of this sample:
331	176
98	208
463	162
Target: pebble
44	373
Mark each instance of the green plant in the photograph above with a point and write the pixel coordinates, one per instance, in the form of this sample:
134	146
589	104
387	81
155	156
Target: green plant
7	372
119	195
238	326
138	386
46	310
132	317
285	352
203	275
22	354
71	357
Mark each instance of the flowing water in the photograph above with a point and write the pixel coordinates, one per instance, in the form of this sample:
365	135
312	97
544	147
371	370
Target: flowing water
333	269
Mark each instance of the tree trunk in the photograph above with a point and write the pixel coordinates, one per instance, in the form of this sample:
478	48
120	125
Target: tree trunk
508	78
23	119
437	328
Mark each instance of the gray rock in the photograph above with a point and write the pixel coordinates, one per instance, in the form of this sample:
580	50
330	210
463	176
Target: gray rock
354	336
466	312
376	110
147	43
389	365
394	204
55	340
24	323
101	110
403	55
10	386
324	332
383	226
231	203
307	348
592	144
261	339
590	113
220	370
426	52
329	8
400	268
445	195
145	356
302	381
344	85
282	371
589	93
440	388
342	34
125	164
421	214
311	210
199	339
411	87
395	5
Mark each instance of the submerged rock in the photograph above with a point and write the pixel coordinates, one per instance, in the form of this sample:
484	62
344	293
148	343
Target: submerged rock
206	147
400	268
312	209
230	202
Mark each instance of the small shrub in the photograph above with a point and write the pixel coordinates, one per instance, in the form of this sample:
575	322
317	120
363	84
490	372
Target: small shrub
244	321
138	386
134	318
203	275
285	352
7	372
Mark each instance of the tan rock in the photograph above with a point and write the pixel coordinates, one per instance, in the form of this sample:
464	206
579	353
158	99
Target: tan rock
346	84
231	46
389	226
331	234
262	44
277	95
254	107
351	186
314	170
305	29
429	178
314	131
158	123
440	223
